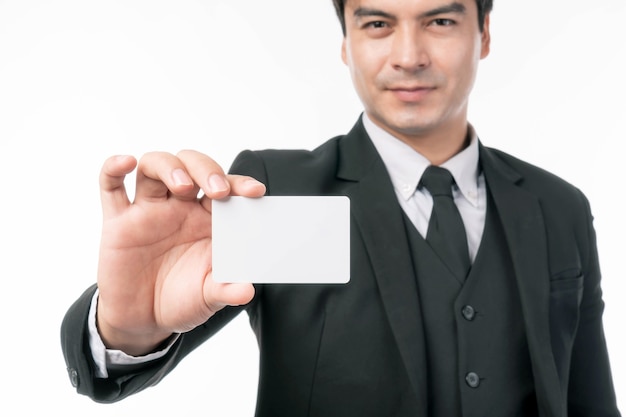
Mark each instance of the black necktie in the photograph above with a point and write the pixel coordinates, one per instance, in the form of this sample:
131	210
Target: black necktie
446	233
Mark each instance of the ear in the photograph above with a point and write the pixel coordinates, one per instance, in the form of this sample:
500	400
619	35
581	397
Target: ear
344	53
485	39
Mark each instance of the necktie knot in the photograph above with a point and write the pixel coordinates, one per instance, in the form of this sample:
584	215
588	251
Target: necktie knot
438	181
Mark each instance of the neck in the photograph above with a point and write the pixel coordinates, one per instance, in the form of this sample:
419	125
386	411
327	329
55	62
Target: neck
439	150
438	145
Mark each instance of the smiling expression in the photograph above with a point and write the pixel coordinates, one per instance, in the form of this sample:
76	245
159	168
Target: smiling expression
414	62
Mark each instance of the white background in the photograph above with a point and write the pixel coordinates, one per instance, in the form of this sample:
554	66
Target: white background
81	80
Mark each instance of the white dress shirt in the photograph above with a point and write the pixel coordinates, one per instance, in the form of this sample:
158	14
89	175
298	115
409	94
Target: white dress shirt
405	167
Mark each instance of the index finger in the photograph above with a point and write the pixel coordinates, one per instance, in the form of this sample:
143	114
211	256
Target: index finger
210	176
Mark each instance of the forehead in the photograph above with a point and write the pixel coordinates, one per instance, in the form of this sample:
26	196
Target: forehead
406	6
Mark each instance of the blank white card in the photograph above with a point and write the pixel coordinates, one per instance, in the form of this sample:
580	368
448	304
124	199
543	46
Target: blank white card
282	240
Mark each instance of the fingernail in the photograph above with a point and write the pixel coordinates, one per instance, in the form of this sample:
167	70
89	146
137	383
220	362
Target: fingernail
122	158
217	184
253	182
180	177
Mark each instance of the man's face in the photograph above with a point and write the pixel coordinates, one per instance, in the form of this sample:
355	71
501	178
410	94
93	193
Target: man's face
413	62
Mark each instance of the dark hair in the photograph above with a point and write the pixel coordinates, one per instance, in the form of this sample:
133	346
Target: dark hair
484	8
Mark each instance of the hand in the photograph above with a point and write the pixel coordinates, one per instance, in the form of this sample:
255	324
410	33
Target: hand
154	273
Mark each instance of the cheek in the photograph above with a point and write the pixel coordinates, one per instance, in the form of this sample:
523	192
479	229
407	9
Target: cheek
364	74
362	87
367	60
460	69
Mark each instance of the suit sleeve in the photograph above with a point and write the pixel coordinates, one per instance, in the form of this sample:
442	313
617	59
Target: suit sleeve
121	384
591	392
250	163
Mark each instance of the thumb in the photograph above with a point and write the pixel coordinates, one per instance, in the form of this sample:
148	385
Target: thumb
220	295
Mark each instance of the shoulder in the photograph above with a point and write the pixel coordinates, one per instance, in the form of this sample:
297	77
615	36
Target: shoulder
290	169
562	203
532	178
565	209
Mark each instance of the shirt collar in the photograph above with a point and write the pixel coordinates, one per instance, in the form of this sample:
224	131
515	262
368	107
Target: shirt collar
406	166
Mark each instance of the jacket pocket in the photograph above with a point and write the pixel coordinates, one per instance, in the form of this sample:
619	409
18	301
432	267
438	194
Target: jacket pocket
567	280
566	291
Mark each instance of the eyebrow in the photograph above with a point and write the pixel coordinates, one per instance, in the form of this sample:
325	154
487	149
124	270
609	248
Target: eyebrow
454	7
368	12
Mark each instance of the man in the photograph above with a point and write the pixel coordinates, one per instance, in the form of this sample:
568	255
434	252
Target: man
519	333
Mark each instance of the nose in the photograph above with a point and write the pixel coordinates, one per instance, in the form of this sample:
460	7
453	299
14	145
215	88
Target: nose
408	51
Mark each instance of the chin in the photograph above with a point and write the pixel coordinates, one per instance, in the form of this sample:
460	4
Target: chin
403	121
412	126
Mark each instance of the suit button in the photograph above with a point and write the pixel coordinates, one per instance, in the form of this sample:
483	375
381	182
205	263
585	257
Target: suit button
469	313
472	379
73	377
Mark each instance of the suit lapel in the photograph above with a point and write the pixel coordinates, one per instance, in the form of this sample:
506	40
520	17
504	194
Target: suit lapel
379	219
372	199
524	228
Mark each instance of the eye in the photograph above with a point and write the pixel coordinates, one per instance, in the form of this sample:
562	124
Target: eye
443	22
376	24
377	28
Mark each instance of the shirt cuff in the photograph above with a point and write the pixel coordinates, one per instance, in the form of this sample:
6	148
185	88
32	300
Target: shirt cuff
105	359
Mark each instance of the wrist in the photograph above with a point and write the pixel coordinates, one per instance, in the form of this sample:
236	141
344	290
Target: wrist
133	342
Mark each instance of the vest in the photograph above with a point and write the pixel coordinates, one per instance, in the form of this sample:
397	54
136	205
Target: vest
477	354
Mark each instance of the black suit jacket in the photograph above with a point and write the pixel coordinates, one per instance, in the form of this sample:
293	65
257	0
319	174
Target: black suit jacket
357	349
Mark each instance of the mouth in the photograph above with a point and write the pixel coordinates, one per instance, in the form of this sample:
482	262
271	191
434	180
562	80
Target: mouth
411	94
